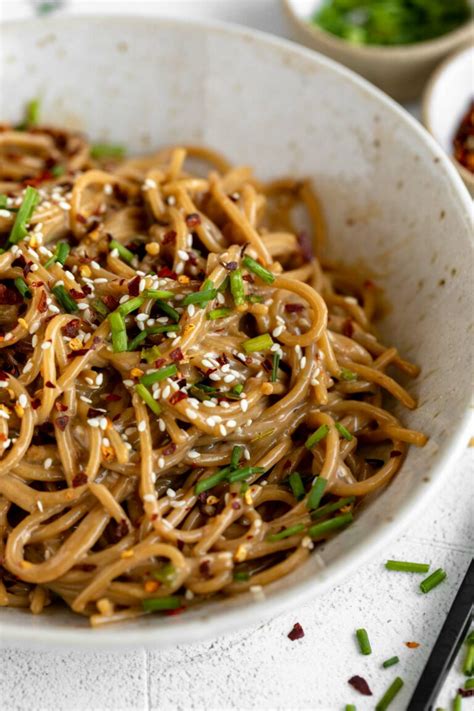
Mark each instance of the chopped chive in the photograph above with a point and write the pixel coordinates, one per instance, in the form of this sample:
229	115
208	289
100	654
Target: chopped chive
167	372
211	481
157	294
214	314
167	309
363	639
3	202
240	576
390	662
224	285
316	493
390	694
457	702
206	388
123	252
286	533
130	305
137	340
320	529
58	170
469	684
350	707
257	269
237	287
202	297
150	354
244	487
275	365
468	666
165	573
153	331
23	288
259	343
60	255
241	474
155	604
343	431
100	307
334	506
317	436
207	285
347	374
235	456
148	399
406	567
254	299
238	389
105	150
118	331
64	298
31	115
432	580
297	486
23	216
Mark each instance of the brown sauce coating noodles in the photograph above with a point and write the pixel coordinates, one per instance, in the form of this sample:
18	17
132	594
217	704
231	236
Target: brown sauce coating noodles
186	391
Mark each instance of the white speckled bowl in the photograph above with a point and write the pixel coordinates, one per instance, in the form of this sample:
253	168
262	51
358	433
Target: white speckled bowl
391	198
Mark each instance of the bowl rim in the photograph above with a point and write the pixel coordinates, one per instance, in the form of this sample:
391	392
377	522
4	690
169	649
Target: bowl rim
426	105
414	50
182	631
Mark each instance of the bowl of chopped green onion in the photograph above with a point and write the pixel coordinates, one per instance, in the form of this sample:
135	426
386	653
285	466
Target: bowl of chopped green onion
396	44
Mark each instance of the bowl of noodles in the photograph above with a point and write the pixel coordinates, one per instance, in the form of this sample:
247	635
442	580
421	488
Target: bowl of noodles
234	328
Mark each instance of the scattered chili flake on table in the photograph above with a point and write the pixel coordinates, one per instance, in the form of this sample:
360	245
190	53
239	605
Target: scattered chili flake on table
360	685
412	645
464	140
296	633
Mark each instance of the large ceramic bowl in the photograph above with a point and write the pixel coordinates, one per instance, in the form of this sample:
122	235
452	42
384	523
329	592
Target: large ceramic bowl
391	197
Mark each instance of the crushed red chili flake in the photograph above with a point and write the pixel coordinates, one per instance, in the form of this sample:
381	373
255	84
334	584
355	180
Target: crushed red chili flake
41	178
193	219
112	397
169	237
42	305
395	453
36	284
306	247
466	693
86	289
209	371
464	140
110	301
3	375
360	684
294	308
287	464
20	261
181	383
296	633
170	449
222	359
60	406
9	297
177	355
35	403
177	397
71	329
134	286
177	611
92	412
49	384
166	272
3	438
412	645
249	278
77	294
159	362
79	479
62	422
80	218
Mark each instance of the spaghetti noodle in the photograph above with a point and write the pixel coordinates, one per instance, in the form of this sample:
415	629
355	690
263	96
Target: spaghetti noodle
190	400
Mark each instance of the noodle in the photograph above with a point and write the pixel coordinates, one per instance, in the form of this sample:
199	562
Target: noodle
184	387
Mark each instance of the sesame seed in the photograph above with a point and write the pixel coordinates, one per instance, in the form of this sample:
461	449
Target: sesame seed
46	345
244	405
303	362
39	504
93	422
171	493
191	414
231	424
64	205
183	255
28	366
149	497
193	454
141	317
161	462
166	392
103	423
191	309
209	403
278	331
108	189
214	376
222	430
23	400
161	425
141	426
47	463
229	378
225	405
179	268
114	253
82	306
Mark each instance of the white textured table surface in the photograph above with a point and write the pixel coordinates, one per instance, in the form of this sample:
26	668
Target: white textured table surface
261	668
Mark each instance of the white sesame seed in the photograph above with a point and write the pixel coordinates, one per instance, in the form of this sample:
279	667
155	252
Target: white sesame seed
142	426
303	362
183	255
161	462
123	299
93	422
39	504
193	454
150	183
191	414
46	345
225	405
47	463
189	595
209	403
244	405
278	331
141	317
191	309
214	376
28	366
103	423
171	493
114	253
108	189
106	442
161	425
23	400
128	383
82	306
64	205
171	200
222	430
210	421
246	454
89	381
232	424
229	378
166	392
99	379
149	497
5	213
54	309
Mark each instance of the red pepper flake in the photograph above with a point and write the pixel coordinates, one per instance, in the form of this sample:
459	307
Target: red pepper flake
294	308
395	453
159	362
306	247
42	305
170	449
79	480
412	645
177	355
134	286
60	407
20	261
36	284
71	329
80	218
167	273
209	371
110	301
35	403
177	611
92	412
169	237
87	289
466	693
177	397
193	219
80	352
77	294
222	359
348	328
360	684
3	375
61	422
49	384
296	633
249	278
3	438
41	178
112	397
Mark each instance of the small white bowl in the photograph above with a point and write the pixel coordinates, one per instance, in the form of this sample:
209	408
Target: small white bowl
391	197
445	101
400	70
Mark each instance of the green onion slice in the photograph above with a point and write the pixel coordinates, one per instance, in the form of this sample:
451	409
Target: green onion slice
118	332
60	255
406	567
316	493
148	399
259	343
155	604
24	215
297	486
286	533
237	287
155	377
363	639
321	529
65	299
343	431
317	436
106	150
215	314
23	288
390	694
433	580
123	252
257	269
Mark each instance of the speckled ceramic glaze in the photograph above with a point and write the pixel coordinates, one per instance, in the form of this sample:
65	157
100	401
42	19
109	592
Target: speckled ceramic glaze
391	197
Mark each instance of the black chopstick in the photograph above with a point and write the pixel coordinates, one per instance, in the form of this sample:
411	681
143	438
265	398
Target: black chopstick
446	647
